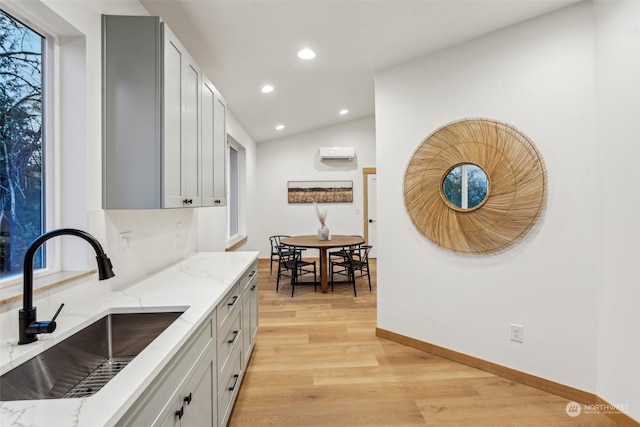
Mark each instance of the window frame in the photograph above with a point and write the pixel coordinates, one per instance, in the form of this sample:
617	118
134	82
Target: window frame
233	239
50	185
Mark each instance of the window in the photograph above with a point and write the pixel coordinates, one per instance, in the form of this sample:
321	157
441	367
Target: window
233	192
236	226
22	141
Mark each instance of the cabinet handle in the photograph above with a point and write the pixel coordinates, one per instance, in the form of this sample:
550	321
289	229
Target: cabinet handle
235	382
235	298
187	201
188	399
253	288
180	413
235	335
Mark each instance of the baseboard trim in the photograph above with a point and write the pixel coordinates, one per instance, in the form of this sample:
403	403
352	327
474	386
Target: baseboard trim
549	386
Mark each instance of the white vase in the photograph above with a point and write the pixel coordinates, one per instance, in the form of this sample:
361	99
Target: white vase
323	233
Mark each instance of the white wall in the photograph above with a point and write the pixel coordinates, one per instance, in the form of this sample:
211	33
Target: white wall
618	115
538	76
297	158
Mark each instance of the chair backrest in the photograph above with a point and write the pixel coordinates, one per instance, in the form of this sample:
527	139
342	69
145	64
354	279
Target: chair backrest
360	253
288	254
275	242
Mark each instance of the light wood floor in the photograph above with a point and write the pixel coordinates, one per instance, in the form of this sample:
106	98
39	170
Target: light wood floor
317	362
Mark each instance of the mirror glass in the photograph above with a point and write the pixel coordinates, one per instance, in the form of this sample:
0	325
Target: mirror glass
466	186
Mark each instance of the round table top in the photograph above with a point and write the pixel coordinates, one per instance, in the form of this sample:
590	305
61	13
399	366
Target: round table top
311	241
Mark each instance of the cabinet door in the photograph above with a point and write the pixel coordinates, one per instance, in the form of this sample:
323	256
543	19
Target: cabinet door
190	147
208	108
181	116
199	400
220	151
171	418
172	116
253	293
196	402
246	324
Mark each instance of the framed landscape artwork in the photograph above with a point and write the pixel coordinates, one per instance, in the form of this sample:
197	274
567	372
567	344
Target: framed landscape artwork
320	191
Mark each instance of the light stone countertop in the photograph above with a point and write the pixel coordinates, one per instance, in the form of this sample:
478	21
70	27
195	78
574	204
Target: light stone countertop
196	284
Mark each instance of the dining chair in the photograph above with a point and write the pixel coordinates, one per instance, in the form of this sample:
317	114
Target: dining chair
292	266
339	254
275	243
354	264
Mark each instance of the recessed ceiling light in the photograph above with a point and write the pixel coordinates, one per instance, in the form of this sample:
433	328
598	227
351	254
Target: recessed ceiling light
267	89
343	111
279	127
306	53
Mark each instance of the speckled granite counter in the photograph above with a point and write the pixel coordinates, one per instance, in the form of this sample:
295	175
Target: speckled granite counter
196	284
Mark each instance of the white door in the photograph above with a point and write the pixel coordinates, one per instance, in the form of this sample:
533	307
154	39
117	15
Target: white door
372	225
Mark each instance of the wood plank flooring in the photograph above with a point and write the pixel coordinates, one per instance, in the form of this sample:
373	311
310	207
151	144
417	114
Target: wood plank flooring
317	362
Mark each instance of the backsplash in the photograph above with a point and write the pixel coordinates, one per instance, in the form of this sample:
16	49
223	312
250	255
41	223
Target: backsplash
156	240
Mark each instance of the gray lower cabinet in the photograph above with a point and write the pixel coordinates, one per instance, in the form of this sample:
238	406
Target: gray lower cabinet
200	384
184	390
250	310
229	356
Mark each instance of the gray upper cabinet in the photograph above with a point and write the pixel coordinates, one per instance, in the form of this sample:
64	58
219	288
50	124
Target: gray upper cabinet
152	118
214	136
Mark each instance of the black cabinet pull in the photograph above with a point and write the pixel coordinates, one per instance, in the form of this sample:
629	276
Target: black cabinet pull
188	399
233	387
180	413
253	288
187	201
235	335
235	298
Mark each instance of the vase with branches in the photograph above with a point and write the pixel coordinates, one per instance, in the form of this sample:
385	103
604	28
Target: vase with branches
323	231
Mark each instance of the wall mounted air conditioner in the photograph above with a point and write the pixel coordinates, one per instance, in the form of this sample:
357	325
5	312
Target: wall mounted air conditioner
344	153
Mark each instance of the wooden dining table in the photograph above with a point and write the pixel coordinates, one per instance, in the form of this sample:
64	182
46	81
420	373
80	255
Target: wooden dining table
312	241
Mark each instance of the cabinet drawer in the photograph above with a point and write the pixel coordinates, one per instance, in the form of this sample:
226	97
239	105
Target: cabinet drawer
229	339
227	306
230	385
249	275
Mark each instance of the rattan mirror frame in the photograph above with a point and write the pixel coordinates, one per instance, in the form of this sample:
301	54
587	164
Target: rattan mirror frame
517	194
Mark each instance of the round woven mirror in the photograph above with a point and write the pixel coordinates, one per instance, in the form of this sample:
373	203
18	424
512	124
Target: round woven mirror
475	186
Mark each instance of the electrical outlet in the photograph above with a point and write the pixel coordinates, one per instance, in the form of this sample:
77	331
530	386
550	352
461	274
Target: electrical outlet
123	243
517	332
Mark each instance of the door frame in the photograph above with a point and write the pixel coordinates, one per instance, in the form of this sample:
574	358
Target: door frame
365	200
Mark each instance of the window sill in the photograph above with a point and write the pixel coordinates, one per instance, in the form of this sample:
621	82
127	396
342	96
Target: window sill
235	243
14	292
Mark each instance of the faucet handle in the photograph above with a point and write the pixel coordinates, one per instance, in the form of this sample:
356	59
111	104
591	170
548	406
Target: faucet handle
57	312
46	326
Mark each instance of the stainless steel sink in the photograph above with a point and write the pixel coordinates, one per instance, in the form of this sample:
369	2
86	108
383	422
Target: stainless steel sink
82	364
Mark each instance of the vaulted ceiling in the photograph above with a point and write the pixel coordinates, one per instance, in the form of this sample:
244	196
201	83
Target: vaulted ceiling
243	45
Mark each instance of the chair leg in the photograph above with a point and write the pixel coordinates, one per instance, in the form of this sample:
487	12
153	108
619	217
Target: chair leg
278	278
294	276
353	279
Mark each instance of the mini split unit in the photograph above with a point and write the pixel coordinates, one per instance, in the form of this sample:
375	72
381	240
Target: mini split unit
341	153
